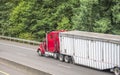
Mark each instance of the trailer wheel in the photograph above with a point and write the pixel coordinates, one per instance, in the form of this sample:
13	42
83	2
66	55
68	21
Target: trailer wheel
116	71
61	57
67	59
55	55
39	52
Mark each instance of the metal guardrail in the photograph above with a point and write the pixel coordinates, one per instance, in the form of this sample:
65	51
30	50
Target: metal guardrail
19	40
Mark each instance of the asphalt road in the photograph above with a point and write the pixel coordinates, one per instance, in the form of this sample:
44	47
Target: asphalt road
7	70
26	54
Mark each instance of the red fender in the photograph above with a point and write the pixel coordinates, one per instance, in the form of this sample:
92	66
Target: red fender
41	48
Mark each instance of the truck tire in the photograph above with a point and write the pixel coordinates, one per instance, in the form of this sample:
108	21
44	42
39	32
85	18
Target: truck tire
39	53
116	71
55	55
61	57
67	59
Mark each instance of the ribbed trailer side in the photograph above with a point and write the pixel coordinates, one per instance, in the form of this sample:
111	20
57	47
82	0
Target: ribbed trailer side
96	54
93	51
67	45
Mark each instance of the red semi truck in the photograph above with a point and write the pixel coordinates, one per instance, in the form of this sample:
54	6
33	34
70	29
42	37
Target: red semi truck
51	46
96	50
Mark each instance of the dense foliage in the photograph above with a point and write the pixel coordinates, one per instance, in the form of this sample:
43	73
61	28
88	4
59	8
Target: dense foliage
31	19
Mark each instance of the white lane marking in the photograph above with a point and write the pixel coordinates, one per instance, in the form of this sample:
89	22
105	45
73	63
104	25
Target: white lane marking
64	66
4	73
17	46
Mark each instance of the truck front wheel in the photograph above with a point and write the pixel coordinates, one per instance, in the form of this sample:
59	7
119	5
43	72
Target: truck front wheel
39	52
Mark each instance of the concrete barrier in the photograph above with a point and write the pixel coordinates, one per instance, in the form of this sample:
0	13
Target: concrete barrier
26	69
19	40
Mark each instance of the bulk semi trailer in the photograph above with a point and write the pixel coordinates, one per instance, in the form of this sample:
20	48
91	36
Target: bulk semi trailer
95	50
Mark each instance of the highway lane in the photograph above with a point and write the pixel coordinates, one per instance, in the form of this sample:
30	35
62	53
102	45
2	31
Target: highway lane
7	70
26	54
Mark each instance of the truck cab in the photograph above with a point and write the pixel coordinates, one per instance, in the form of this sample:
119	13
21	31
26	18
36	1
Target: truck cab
50	46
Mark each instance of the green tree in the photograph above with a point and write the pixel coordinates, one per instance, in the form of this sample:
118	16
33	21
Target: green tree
102	25
115	17
32	19
20	18
83	18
